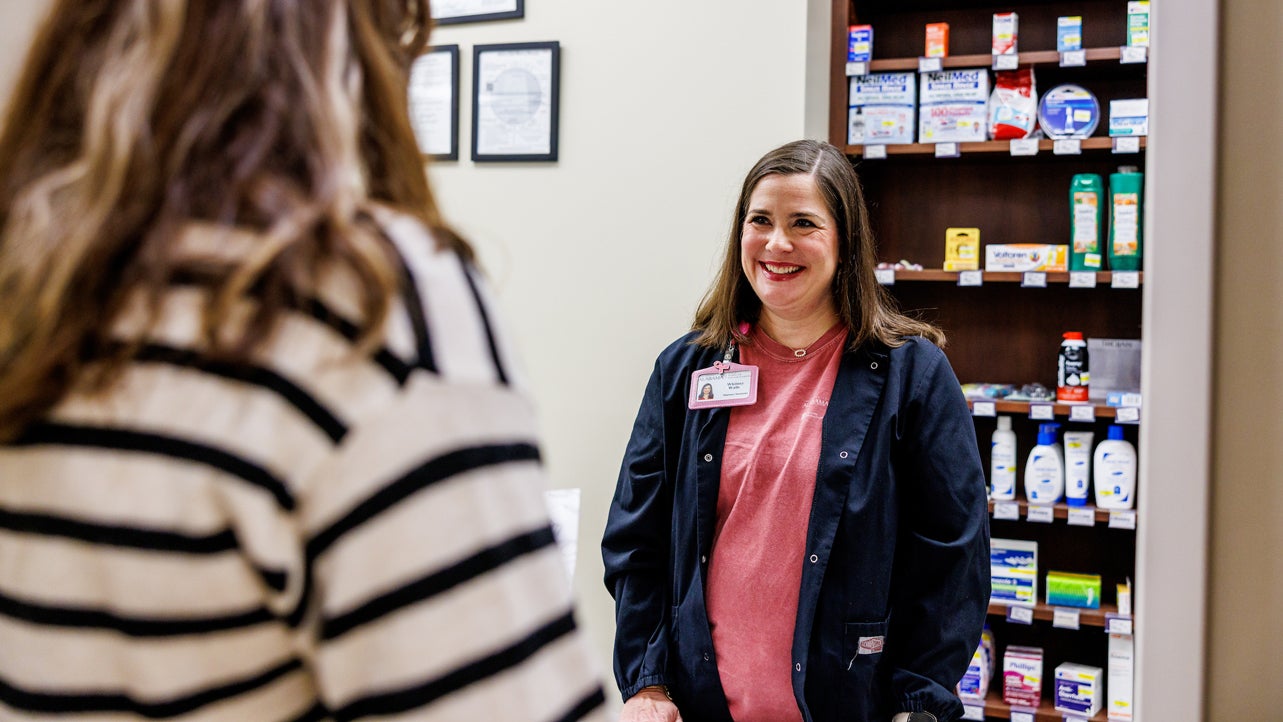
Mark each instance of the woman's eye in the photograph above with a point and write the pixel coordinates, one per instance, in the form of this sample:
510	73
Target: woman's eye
758	220
805	223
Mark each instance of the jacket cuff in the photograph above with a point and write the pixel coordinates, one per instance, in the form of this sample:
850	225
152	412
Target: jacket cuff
650	680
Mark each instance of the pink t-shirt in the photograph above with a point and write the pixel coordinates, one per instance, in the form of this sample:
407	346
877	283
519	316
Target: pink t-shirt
769	464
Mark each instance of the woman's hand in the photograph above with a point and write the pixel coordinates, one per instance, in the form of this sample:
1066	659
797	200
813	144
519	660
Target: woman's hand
650	704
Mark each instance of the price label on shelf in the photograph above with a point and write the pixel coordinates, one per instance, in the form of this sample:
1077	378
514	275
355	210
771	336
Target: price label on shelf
1131	54
929	65
1125	279
885	276
1122	519
983	408
971	278
1067	146
1127	144
1022	716
1006	62
1082	279
1070	59
875	152
1006	510
1116	624
1065	618
1034	279
973	712
1075	718
1082	516
1020	614
1040	514
1082	413
1127	415
1042	412
1024	146
946	150
857	69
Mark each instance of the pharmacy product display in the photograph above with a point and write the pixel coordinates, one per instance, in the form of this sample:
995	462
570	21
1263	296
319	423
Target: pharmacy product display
1115	474
1002	461
1086	222
1077	467
1013	105
1125	218
1068	111
1045	470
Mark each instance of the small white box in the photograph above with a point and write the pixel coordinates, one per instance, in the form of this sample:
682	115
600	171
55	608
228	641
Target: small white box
1078	689
1121	664
881	108
1022	676
1129	117
953	106
1013	571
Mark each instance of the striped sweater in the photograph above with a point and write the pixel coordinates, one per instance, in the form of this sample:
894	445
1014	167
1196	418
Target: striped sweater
314	535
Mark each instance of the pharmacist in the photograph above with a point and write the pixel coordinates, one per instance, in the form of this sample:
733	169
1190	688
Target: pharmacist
811	544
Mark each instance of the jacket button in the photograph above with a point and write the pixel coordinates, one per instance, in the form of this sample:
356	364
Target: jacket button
874	365
703	558
842	454
708	457
814	559
797	667
706	656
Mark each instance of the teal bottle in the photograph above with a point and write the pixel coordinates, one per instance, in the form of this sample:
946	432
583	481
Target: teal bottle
1086	222
1126	219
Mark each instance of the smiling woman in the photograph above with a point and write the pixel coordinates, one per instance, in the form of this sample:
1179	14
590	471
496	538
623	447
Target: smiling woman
856	459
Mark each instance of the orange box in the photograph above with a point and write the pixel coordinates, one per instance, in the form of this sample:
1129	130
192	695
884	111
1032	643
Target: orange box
937	40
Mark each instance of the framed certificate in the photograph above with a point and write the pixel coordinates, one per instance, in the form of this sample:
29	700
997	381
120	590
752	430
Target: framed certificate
514	101
434	102
449	12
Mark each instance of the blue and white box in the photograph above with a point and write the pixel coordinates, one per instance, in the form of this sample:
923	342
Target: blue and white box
1129	116
1069	33
881	108
1079	689
953	105
1013	571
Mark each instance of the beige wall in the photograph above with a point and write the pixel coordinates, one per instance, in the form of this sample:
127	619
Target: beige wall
18	20
1245	675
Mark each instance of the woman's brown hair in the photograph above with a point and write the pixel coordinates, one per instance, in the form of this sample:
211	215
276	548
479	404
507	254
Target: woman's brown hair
132	119
862	303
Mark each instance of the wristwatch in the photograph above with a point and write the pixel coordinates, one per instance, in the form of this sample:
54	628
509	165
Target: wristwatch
914	717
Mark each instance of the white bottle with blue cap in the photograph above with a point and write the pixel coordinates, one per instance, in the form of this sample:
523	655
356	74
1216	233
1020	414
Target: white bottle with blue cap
1045	470
1115	472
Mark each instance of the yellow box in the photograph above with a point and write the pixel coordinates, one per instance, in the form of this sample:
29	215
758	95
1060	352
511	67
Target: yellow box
962	249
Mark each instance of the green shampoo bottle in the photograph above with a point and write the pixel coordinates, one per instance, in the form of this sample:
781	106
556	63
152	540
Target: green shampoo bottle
1126	214
1086	222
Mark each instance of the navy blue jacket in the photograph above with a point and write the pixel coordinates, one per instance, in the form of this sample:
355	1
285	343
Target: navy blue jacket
897	545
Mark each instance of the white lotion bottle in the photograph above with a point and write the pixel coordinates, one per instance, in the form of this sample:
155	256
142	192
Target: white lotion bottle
1115	475
1045	470
1077	466
1002	461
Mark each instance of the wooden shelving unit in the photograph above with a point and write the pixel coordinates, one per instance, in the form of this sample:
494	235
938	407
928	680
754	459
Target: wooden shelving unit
1035	58
997	709
990	147
935	275
1059	511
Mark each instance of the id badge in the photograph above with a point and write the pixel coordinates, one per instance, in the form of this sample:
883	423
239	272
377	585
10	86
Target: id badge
724	384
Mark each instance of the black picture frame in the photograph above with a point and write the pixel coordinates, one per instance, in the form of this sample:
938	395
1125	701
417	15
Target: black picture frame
452	51
518	11
483	102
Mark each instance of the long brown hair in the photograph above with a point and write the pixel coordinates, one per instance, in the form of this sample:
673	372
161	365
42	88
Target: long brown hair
134	118
862	304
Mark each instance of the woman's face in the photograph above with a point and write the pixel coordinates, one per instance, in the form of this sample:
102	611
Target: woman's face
789	247
706	392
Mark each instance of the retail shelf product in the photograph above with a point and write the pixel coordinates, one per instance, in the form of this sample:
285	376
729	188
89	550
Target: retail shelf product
881	108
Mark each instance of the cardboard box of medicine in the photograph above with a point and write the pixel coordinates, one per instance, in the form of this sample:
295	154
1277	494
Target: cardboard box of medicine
1005	26
1115	368
1022	676
1066	589
1138	24
1118	685
937	40
881	108
1129	117
1078	689
1026	257
859	44
1013	571
1069	33
974	684
952	106
961	249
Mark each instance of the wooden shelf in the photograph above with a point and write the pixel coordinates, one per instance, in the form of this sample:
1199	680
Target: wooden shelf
934	275
1060	511
1037	57
1046	712
1046	613
1105	144
1021	408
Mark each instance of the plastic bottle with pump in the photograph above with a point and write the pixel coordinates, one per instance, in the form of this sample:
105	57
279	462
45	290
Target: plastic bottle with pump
1086	222
1115	472
1045	470
1125	218
1002	461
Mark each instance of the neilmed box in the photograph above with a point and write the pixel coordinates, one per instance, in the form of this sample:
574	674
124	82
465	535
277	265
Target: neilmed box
1079	689
881	108
952	106
1013	571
